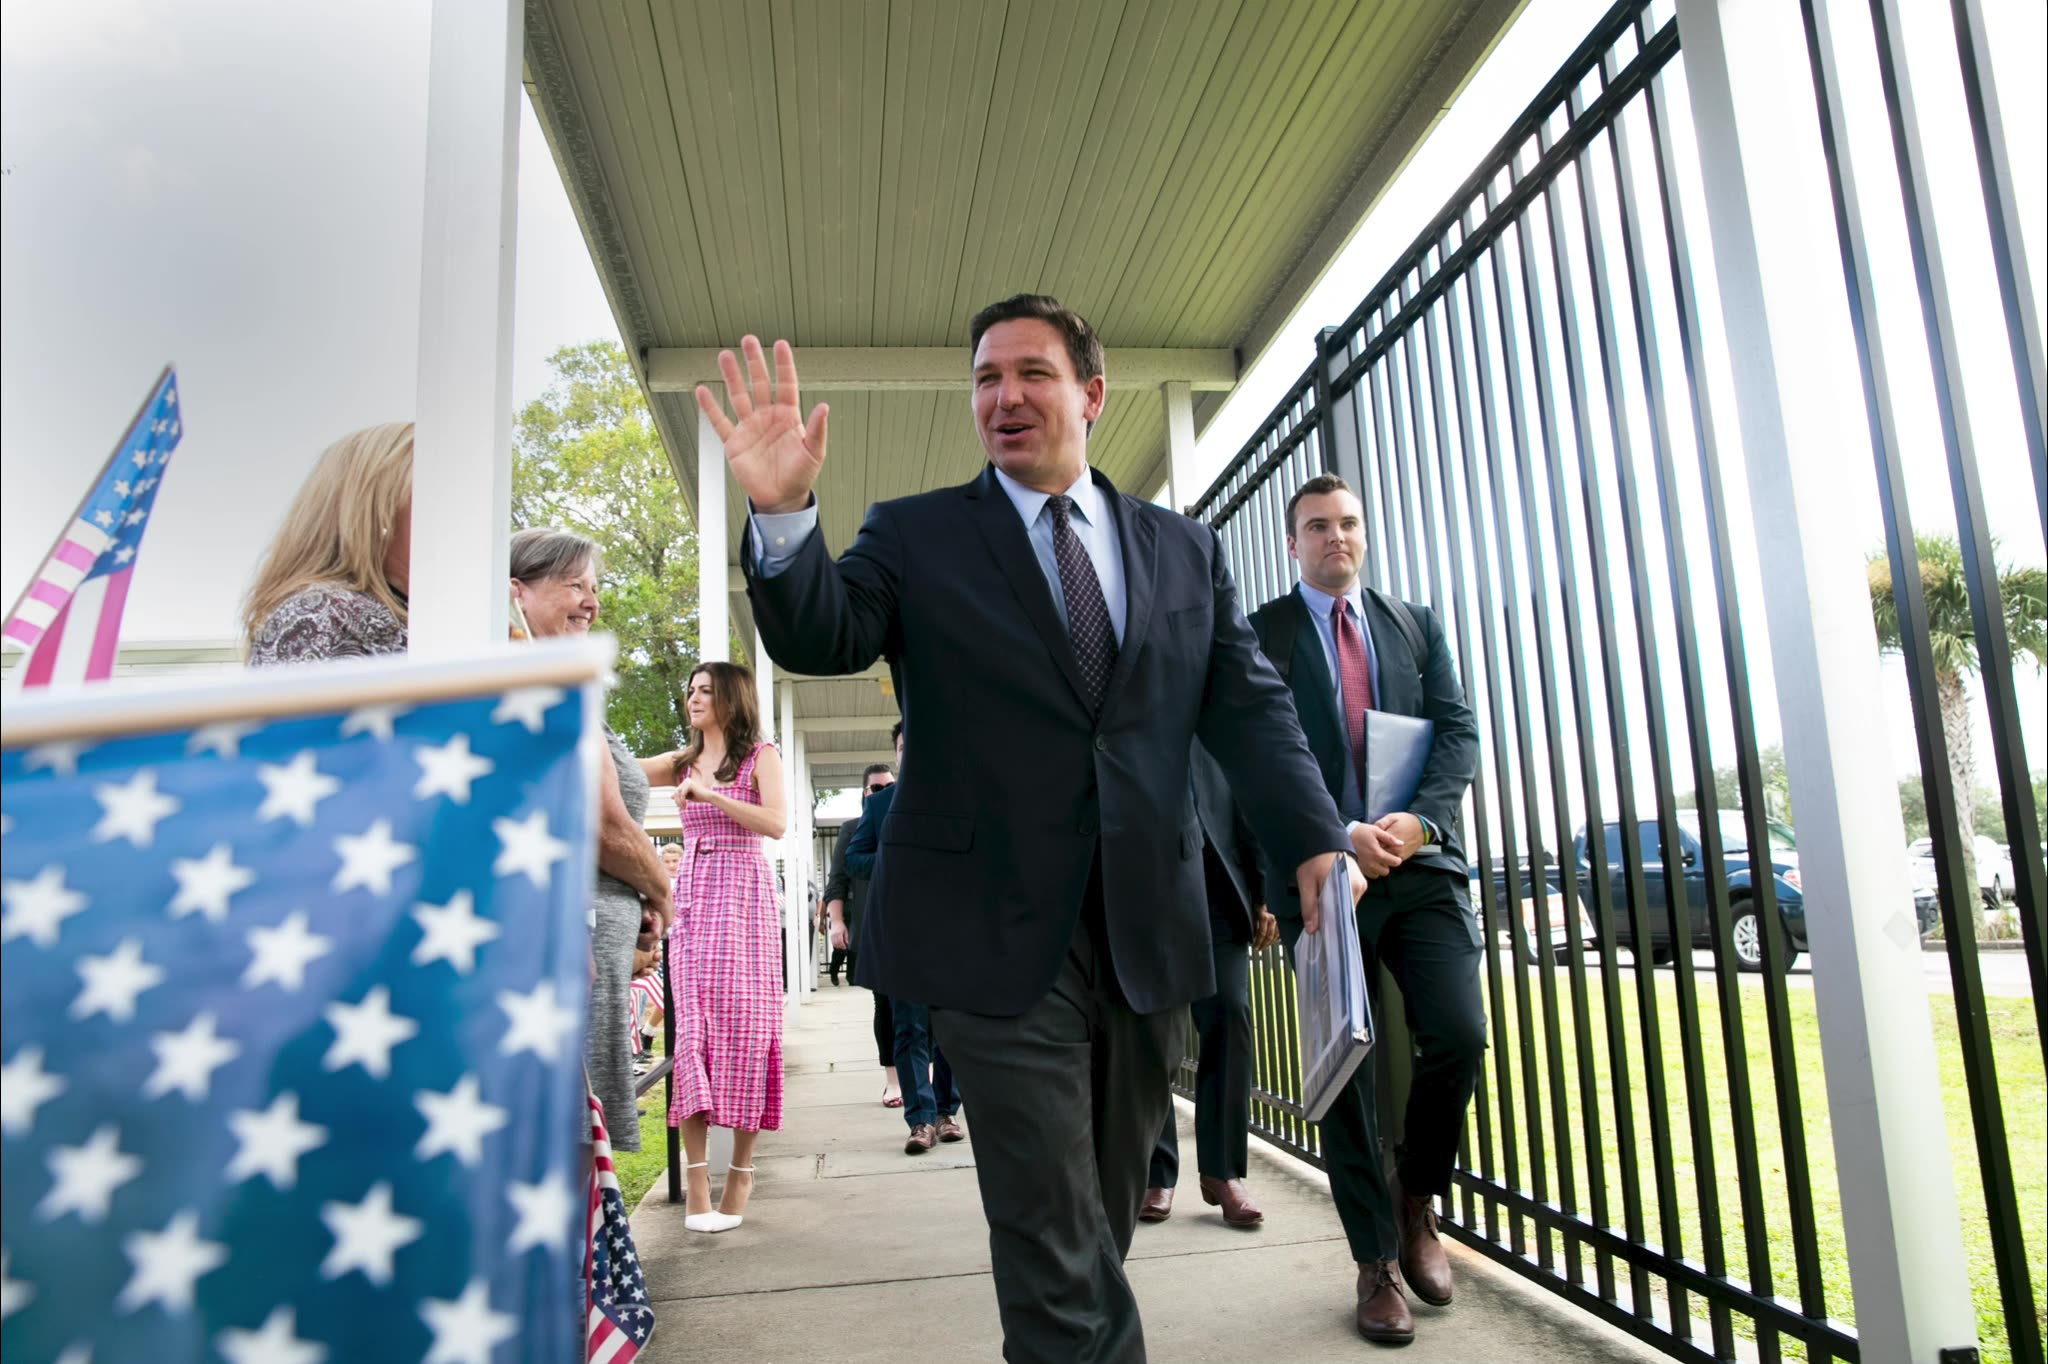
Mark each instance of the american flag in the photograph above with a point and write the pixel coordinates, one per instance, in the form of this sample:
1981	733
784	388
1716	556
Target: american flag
292	1027
621	1318
69	618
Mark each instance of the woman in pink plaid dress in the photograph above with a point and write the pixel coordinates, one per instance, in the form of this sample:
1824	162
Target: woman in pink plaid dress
726	944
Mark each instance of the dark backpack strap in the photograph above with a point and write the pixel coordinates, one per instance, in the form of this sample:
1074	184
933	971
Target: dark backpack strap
1277	641
1404	621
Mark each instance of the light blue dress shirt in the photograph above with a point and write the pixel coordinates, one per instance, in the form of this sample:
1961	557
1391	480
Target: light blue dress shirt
778	538
1320	604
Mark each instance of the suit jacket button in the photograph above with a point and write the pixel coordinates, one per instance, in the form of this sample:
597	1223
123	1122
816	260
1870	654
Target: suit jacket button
1101	744
1086	826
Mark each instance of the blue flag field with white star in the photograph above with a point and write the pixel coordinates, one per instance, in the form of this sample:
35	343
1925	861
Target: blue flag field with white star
291	1017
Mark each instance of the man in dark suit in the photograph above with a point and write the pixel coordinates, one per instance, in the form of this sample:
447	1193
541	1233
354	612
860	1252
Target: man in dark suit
1239	925
845	897
846	893
931	1097
1345	649
1055	646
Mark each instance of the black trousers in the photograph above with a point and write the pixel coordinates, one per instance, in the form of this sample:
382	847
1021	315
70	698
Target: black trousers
885	1030
1423	931
1223	1076
1067	1101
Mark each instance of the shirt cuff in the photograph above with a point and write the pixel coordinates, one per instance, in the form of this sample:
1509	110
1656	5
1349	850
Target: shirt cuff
780	536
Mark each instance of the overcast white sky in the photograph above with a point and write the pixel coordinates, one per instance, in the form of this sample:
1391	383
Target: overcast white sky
237	187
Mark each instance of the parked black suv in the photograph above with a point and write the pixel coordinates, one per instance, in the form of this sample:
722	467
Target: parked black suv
1740	868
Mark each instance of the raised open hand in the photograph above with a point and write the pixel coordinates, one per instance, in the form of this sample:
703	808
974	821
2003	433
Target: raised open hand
774	453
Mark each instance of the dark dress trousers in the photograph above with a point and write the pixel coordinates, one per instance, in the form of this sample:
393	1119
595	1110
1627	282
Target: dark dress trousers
1223	1021
926	1077
840	886
1417	920
843	885
1040	880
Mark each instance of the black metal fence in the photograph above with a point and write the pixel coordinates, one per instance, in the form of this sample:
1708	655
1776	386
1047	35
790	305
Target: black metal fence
1520	403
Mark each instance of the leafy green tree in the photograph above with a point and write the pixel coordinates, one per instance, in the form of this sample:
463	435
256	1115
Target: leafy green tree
587	458
1728	790
1952	638
1913	804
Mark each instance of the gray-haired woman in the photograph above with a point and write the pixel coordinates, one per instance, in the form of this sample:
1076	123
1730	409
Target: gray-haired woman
554	581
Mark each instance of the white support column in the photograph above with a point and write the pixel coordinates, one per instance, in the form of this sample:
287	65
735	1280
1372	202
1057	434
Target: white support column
462	462
764	695
1182	486
1792	354
796	858
714	606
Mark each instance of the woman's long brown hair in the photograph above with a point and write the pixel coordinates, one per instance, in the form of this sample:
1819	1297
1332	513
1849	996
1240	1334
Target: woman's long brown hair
733	705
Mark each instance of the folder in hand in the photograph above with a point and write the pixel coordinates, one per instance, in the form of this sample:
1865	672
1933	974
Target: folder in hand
1396	751
1336	1019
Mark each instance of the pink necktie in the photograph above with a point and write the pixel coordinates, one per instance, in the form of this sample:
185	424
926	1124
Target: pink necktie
1355	677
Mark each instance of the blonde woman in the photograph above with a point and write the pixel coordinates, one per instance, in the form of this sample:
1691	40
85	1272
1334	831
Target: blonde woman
333	583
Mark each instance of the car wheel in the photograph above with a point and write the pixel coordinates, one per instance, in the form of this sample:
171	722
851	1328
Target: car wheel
1997	890
1748	934
1660	956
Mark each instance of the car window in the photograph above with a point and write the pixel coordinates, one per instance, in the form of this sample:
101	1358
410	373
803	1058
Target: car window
1648	841
1614	845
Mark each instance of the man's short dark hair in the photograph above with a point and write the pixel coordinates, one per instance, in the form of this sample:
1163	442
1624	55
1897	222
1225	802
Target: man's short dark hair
874	770
1315	487
896	731
1084	347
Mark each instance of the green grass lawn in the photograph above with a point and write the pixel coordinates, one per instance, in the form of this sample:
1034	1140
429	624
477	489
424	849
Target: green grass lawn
639	1171
2021	1087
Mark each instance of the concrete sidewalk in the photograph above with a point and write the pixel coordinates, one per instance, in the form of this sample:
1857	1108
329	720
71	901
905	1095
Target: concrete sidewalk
854	1251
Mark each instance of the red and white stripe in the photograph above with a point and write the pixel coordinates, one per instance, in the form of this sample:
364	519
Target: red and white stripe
603	1341
58	581
71	625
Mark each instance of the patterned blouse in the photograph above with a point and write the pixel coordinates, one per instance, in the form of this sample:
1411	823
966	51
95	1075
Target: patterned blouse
326	621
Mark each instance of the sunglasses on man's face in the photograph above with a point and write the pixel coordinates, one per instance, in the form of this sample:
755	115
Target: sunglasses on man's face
880	785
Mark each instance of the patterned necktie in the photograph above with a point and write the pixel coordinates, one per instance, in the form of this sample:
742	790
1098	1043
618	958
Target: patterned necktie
1087	613
1355	677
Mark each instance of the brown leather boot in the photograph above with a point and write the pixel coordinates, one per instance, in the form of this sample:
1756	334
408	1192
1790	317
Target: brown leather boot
1383	1315
1423	1262
1234	1198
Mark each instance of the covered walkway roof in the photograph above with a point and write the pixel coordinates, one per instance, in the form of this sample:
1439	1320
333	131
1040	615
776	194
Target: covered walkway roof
859	177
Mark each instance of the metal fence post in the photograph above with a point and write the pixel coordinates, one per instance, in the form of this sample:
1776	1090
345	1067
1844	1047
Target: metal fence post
1791	351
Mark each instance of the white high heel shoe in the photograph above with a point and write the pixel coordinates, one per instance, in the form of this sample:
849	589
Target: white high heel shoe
713	1221
730	1171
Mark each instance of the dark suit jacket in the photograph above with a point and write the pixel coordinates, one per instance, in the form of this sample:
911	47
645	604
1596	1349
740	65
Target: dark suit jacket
1404	685
841	884
1012	792
865	844
1230	839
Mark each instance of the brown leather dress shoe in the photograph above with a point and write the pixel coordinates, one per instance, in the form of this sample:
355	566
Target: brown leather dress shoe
1383	1316
1423	1262
1157	1207
923	1138
1235	1200
950	1128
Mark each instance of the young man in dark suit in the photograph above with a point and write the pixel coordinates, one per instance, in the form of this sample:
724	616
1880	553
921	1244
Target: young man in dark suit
1055	646
1239	925
845	893
1345	649
931	1099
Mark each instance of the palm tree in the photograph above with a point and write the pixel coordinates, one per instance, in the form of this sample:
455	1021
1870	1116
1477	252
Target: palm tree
2023	593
